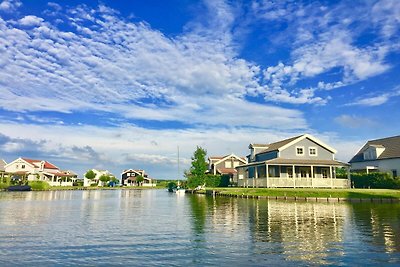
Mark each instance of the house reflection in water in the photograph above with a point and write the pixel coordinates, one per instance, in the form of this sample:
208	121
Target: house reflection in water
301	231
304	232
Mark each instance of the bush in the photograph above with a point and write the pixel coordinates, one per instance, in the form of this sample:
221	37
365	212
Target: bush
39	185
374	180
212	180
4	186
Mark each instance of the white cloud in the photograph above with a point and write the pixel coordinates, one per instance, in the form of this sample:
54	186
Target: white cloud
127	67
371	101
352	121
324	39
30	21
129	146
9	5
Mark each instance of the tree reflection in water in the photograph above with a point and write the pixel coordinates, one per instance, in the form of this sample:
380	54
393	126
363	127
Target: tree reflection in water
303	232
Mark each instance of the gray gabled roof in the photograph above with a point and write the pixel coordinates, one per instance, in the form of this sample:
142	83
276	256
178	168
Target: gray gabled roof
391	145
275	146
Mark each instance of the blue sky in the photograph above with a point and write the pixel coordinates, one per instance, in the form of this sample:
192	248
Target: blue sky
122	84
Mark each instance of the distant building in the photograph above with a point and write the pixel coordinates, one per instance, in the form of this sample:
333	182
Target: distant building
100	173
225	165
41	170
129	178
300	161
381	155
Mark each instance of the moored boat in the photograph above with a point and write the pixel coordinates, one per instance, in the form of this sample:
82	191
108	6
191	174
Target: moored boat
19	188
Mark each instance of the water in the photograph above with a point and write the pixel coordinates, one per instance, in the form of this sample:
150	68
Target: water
154	227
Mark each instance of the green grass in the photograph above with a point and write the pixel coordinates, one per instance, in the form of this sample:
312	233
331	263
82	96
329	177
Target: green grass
311	192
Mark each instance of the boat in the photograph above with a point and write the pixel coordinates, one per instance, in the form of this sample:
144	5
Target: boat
180	190
19	188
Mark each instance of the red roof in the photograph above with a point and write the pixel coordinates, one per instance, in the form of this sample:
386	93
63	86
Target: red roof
47	165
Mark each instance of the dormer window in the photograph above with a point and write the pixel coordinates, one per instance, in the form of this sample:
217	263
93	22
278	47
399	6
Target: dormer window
299	150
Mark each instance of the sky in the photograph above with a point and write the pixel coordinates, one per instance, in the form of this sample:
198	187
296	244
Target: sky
122	84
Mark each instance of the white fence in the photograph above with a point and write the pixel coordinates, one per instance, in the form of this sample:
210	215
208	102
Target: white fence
295	182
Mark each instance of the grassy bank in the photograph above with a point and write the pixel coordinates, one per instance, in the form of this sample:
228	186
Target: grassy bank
311	192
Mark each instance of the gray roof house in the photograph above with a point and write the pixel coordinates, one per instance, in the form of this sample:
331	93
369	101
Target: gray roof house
300	161
381	155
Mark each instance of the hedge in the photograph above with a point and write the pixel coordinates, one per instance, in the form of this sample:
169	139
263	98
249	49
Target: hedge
374	180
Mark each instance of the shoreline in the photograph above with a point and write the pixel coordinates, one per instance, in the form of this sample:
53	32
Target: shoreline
68	188
309	195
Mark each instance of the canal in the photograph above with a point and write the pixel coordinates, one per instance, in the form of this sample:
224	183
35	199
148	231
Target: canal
154	227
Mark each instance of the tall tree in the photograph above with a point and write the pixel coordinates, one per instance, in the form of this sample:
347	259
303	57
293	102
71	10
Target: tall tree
90	174
198	169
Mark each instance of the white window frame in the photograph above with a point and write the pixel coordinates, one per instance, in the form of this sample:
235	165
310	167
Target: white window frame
316	151
297	154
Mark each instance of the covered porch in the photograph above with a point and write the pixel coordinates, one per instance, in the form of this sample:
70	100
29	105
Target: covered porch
59	179
292	174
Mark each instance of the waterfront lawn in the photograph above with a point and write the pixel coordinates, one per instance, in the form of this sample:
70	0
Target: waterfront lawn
310	192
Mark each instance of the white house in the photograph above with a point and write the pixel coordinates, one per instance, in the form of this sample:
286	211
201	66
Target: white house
96	179
41	170
381	155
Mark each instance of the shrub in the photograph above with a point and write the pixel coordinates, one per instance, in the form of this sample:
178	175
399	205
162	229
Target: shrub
374	180
39	185
212	180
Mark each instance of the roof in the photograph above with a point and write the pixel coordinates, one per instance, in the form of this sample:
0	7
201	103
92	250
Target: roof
280	145
226	170
391	145
307	162
221	159
47	165
2	164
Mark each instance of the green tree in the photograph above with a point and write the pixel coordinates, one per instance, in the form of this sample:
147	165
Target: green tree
139	180
104	179
197	173
90	174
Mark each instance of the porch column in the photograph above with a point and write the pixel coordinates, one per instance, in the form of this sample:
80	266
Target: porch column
255	176
330	172
348	177
312	176
294	176
267	174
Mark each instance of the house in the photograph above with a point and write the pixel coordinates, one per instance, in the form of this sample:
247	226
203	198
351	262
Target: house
41	170
128	178
300	161
96	179
225	166
381	155
2	170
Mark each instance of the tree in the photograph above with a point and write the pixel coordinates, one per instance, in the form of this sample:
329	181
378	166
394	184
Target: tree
104	179
197	172
90	175
139	179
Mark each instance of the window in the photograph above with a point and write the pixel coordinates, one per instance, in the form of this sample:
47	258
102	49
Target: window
312	151
17	166
23	166
299	150
394	172
235	164
228	164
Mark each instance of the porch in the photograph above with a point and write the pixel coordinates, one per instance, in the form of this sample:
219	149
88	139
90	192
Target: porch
291	176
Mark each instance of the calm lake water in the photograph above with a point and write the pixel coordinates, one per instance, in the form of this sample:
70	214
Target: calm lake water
154	227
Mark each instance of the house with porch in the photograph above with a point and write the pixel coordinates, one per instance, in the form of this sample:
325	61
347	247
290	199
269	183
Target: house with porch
300	161
225	165
129	178
379	155
40	170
